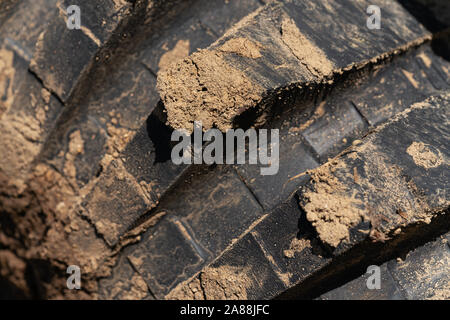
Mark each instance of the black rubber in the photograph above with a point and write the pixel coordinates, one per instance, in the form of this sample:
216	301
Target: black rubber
155	229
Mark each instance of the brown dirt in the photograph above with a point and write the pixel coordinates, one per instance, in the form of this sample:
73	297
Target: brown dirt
242	47
7	73
180	51
329	208
425	155
203	87
311	56
223	283
297	245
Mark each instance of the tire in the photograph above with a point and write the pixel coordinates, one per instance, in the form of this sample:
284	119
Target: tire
87	180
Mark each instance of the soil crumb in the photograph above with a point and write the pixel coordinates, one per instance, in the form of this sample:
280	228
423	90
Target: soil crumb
425	155
297	245
243	47
311	56
180	51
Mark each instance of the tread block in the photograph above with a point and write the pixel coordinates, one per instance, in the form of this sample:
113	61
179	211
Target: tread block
393	88
209	227
425	273
60	69
124	283
220	15
387	180
335	125
264	55
28	112
22	27
198	26
235	275
116	202
294	159
177	44
166	256
287	238
229	210
114	112
339	28
357	289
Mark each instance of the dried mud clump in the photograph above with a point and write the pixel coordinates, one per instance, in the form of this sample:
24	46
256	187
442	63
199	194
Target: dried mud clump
223	283
204	87
329	207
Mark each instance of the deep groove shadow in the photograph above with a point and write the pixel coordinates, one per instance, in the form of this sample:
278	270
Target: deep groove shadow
160	134
424	14
432	19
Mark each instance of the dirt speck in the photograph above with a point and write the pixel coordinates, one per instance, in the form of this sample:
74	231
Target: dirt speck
76	146
426	60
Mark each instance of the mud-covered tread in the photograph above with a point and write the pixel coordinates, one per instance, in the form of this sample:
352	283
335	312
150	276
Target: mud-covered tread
88	145
394	221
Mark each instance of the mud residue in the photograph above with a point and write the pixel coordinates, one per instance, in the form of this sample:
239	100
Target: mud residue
243	47
7	73
180	51
311	56
204	87
46	229
130	289
75	148
329	207
223	283
297	245
426	60
425	155
410	77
